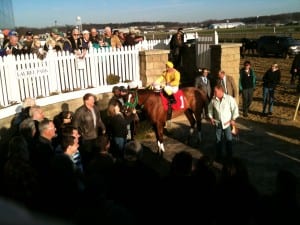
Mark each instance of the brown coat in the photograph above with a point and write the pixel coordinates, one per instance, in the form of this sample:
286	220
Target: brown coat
231	87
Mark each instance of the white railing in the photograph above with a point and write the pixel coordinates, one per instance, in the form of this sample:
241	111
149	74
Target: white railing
153	44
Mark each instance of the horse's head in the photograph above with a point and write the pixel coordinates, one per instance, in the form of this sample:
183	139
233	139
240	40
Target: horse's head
131	100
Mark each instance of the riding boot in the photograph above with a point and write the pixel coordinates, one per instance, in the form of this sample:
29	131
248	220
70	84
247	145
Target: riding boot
169	112
172	99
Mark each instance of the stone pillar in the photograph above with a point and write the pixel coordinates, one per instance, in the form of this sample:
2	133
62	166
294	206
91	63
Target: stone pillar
226	56
152	64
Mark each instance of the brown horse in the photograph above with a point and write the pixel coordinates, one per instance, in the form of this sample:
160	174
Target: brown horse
192	100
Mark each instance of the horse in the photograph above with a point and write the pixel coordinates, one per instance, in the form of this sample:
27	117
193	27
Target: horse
248	46
191	101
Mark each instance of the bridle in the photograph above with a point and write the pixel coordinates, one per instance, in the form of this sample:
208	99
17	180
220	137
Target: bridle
128	103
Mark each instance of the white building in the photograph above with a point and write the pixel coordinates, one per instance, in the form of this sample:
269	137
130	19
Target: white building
225	25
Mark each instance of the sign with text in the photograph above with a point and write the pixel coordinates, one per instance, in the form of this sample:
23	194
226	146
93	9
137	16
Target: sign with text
33	72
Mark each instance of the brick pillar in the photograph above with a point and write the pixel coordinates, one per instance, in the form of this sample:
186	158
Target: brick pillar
226	56
152	64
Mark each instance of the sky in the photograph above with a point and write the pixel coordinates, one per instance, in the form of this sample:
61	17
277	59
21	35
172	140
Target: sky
37	13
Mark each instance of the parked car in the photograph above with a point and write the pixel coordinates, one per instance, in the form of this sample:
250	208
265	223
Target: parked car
278	45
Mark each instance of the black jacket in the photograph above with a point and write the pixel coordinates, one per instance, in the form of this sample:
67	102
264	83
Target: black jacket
271	78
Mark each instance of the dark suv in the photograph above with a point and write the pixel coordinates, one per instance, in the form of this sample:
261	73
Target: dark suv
278	45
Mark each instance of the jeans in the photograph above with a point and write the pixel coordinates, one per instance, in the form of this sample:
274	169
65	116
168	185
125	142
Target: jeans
226	133
119	144
268	99
247	96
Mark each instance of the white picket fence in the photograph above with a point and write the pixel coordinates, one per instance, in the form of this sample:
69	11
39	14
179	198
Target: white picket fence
60	72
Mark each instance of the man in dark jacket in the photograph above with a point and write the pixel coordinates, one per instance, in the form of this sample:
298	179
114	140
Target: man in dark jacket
247	84
87	120
176	45
271	79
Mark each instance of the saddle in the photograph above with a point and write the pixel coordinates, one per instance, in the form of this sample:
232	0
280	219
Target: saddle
180	104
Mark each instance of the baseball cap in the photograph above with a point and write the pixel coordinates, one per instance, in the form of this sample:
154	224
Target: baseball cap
123	89
13	33
55	31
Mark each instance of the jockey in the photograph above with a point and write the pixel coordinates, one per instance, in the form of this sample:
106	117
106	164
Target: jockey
169	80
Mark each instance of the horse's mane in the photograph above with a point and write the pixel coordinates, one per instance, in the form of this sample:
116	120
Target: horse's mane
147	91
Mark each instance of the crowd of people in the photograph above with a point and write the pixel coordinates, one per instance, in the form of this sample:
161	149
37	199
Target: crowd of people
73	41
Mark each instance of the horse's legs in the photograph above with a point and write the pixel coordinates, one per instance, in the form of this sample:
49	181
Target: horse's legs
195	118
191	117
199	129
159	128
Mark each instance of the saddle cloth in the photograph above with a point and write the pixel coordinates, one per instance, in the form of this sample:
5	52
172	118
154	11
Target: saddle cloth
179	101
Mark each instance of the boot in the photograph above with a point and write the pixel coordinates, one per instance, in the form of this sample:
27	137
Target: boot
169	112
172	99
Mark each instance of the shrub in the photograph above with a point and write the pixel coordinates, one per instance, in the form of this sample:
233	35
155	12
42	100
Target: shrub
112	79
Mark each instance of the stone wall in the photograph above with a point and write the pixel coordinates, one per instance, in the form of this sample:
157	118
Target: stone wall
54	109
226	56
152	64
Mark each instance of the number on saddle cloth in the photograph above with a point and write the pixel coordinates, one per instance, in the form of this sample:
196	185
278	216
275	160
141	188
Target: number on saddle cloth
179	104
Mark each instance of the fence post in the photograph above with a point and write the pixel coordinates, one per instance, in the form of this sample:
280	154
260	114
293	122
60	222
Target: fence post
52	75
12	80
216	38
92	55
297	108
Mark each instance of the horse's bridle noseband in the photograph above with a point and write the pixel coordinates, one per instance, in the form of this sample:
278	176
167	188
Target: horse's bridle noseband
135	102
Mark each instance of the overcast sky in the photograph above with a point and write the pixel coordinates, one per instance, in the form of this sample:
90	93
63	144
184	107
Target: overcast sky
37	13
